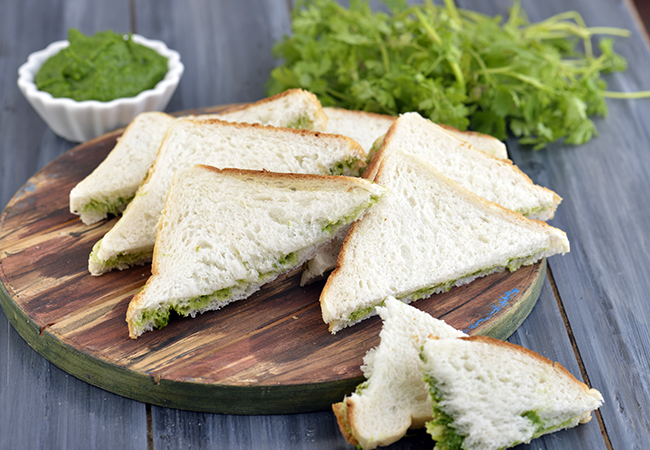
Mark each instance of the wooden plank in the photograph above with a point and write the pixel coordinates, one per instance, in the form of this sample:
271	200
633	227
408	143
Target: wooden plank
544	332
43	406
225	46
270	353
603	282
310	431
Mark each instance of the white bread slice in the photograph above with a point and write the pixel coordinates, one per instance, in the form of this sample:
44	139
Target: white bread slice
453	152
394	397
293	108
366	128
112	185
493	179
224	233
427	235
489	394
220	144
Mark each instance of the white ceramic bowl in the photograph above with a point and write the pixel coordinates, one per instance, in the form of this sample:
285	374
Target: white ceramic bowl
81	121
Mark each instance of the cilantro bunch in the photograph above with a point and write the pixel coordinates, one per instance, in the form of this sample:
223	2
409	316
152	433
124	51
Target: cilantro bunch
539	81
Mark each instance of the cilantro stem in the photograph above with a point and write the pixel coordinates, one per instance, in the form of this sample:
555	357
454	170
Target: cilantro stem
339	95
458	73
609	31
627	95
384	54
526	79
452	10
428	28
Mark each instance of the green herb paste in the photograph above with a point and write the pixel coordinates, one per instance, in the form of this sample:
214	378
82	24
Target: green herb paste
102	67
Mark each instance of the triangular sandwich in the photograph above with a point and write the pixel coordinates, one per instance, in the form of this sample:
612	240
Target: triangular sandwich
225	233
427	235
456	154
489	394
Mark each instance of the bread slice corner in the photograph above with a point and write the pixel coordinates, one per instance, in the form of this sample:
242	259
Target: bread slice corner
489	394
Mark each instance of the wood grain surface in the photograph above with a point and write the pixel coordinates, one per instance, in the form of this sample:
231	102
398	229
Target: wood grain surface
271	353
593	315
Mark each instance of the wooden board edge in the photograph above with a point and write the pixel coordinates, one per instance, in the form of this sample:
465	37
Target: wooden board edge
508	323
210	398
186	395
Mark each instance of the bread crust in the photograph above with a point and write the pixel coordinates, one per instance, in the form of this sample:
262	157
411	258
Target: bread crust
243	173
366	114
320	116
341	412
353	145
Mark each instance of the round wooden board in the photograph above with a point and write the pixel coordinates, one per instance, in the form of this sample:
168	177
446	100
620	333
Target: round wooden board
271	353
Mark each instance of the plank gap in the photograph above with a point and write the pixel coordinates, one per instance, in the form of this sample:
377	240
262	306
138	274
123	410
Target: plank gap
576	352
149	427
133	22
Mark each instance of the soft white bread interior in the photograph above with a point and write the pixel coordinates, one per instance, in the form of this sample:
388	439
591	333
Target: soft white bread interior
394	397
363	127
489	394
366	128
494	179
225	233
220	144
480	141
324	261
112	185
427	235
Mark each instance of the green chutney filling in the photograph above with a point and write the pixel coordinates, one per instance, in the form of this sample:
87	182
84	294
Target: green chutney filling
102	67
333	226
159	317
441	427
121	259
302	122
533	211
289	259
376	146
349	167
114	206
542	427
363	312
512	265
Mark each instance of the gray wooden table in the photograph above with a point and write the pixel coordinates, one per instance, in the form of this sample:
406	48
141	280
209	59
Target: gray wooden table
593	315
